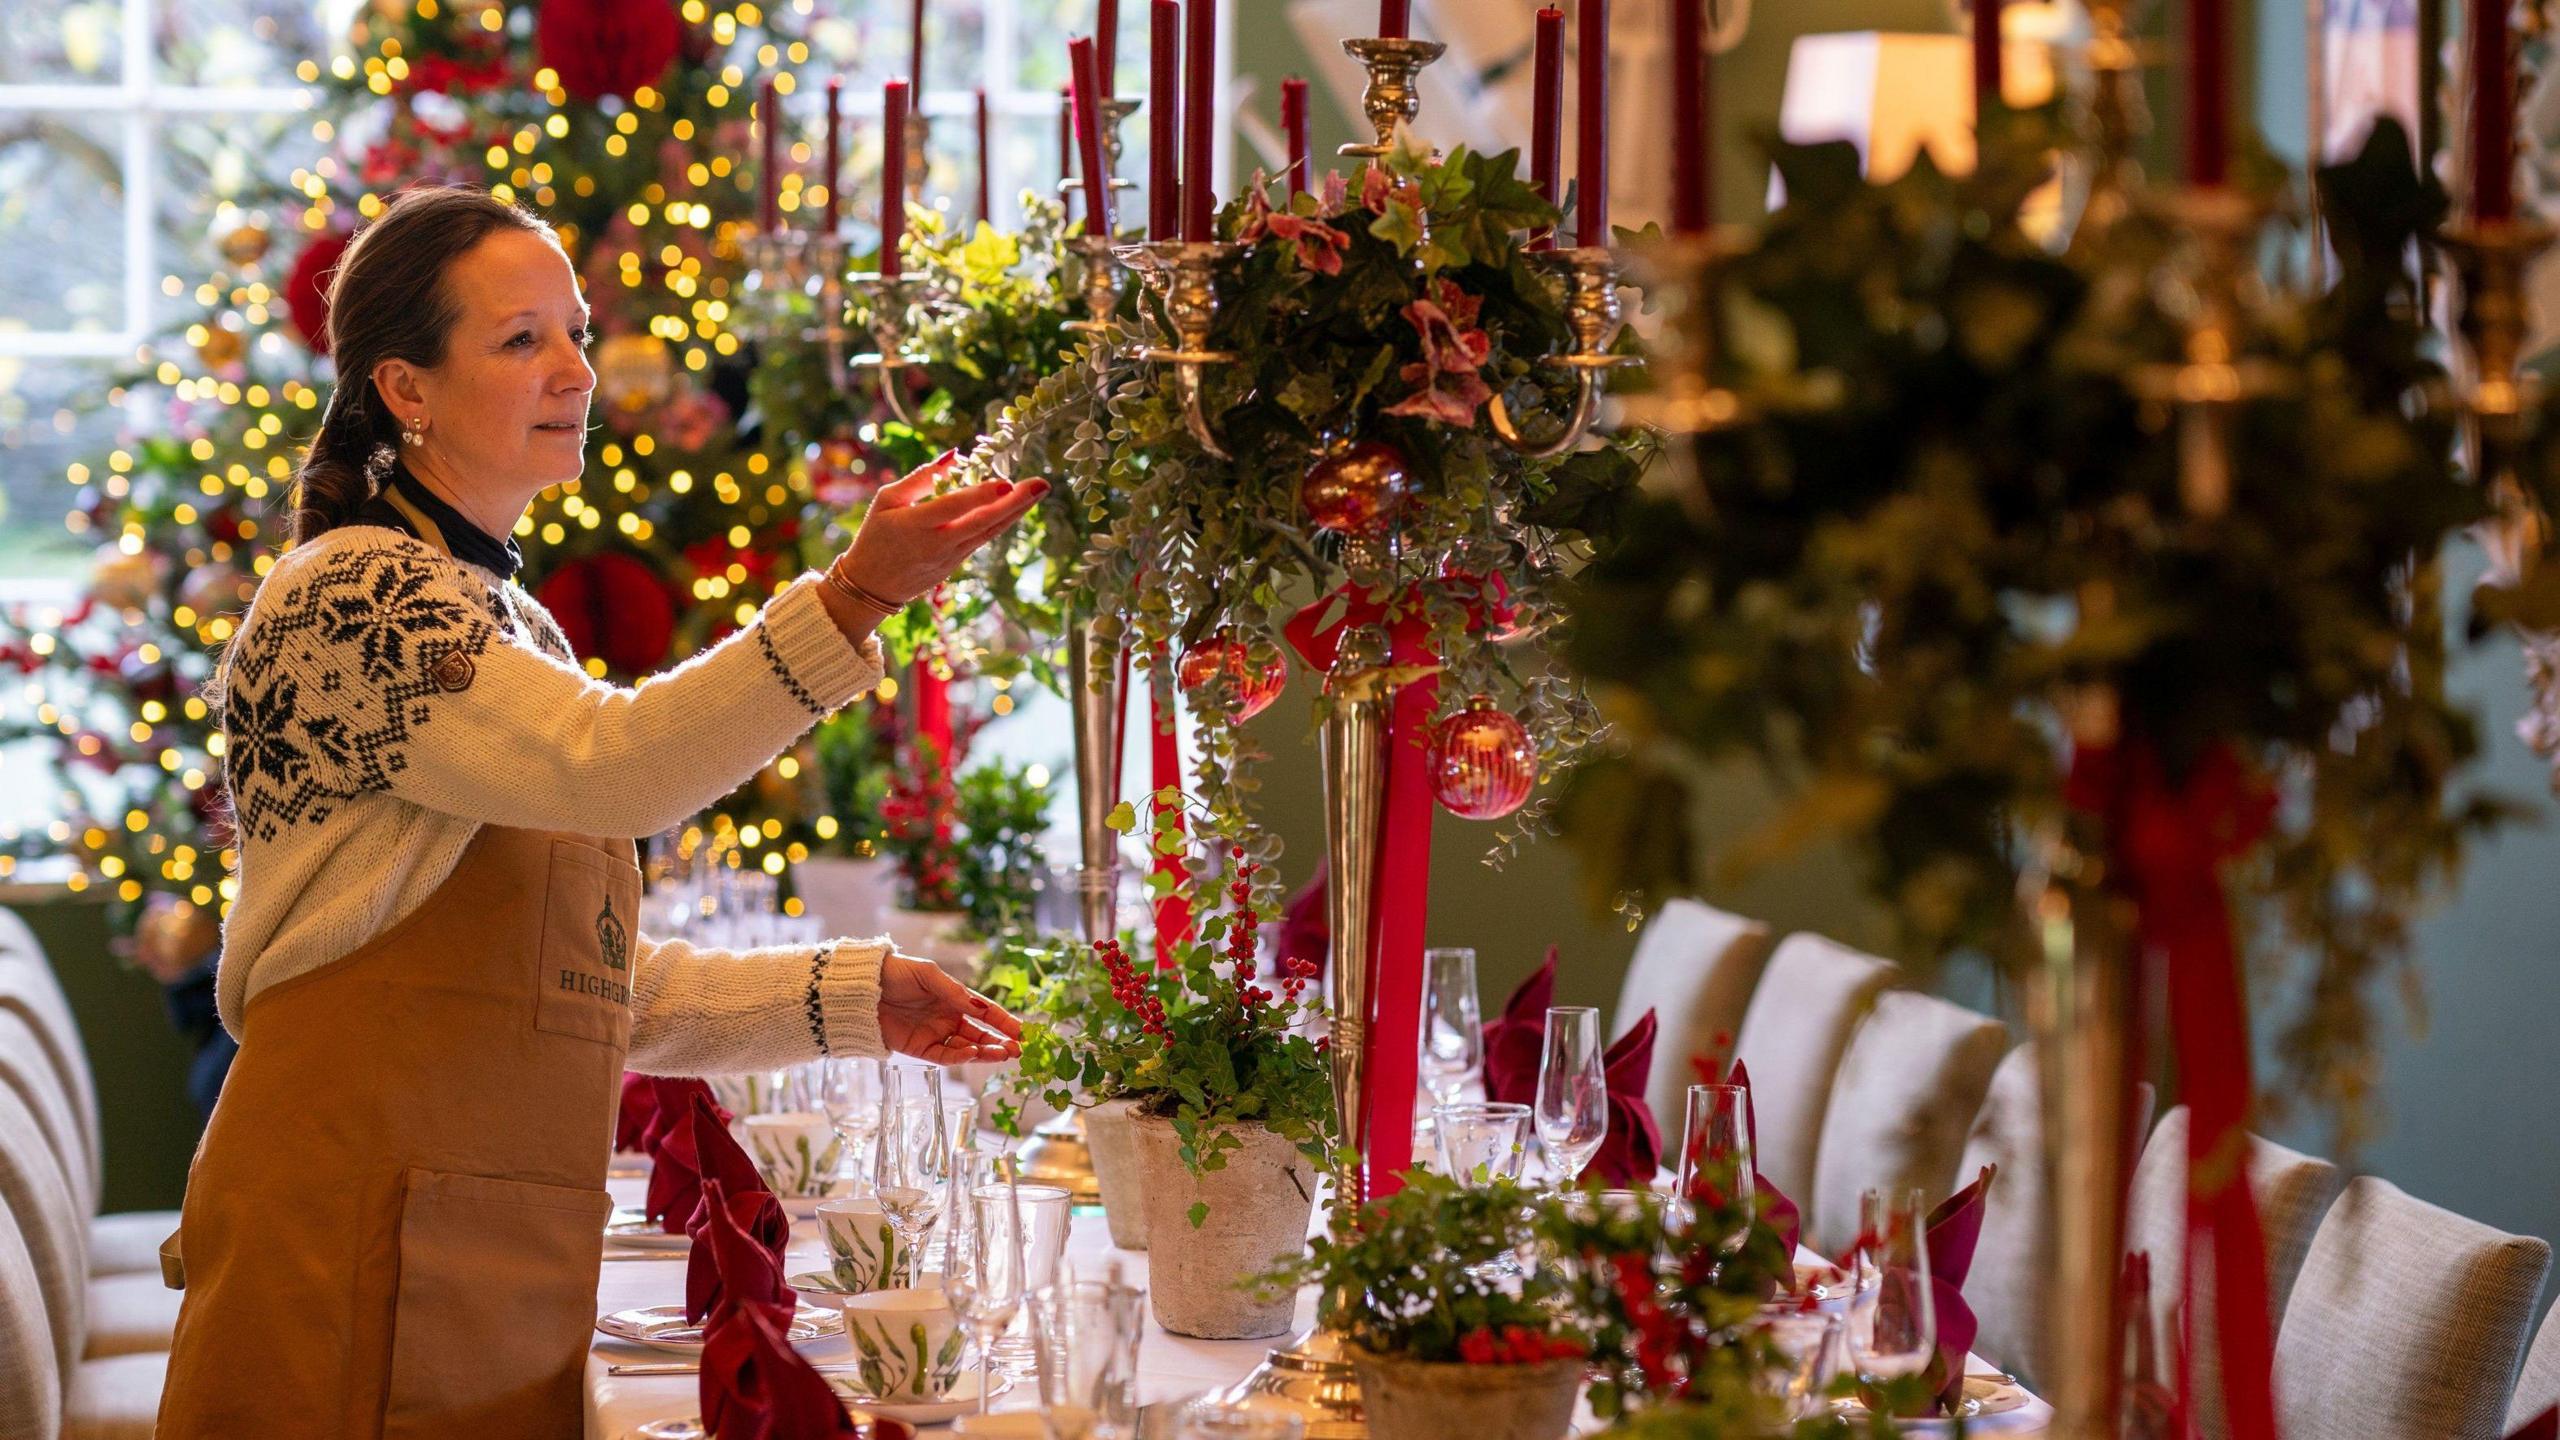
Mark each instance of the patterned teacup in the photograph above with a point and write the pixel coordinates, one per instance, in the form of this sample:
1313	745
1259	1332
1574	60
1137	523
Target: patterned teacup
796	1150
862	1247
906	1343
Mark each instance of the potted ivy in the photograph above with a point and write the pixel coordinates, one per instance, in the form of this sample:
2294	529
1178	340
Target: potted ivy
1062	990
1444	1344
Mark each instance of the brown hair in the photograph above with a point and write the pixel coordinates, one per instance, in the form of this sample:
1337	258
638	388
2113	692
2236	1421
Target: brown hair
388	301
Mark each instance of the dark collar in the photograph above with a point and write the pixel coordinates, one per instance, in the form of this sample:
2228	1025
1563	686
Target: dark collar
405	504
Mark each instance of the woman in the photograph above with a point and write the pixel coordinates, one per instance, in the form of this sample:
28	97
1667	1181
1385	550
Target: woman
433	965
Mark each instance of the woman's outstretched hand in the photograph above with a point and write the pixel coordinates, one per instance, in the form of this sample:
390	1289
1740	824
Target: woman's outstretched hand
931	1016
913	539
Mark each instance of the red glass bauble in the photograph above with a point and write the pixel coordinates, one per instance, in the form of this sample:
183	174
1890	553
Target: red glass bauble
614	607
306	288
1482	764
1359	490
1255	687
606	47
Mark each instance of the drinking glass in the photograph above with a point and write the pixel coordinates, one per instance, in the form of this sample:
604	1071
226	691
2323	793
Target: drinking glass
847	1092
1452	1029
913	1159
1482	1142
1893	1328
1087	1332
1573	1092
1804	1338
1715	1153
1207	1420
982	1273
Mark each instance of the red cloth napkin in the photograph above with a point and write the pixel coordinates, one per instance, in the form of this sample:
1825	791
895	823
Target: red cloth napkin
1632	1152
675	1176
1953	1230
1775	1207
1516	1041
2545	1426
732	1193
1306	928
754	1386
639	1111
745	1269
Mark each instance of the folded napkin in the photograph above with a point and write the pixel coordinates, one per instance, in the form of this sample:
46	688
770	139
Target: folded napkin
639	1111
2545	1426
754	1386
733	1193
1306	927
744	1269
1954	1228
1516	1041
675	1176
1632	1151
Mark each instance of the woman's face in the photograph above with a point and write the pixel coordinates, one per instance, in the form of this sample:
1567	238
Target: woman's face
508	407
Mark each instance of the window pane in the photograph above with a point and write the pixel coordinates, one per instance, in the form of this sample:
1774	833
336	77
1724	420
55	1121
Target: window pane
61	222
51	413
218	174
57	42
234	43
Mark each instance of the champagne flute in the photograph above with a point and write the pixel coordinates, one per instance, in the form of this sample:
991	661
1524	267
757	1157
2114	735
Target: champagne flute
1452	1028
982	1274
1573	1092
1715	1155
913	1164
1893	1328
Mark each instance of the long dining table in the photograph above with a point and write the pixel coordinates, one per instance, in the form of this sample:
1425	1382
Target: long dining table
1170	1367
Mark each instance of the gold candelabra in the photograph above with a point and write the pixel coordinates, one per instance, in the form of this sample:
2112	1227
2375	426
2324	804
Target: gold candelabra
1115	113
1685	275
887	300
2208	383
1593	316
2490	261
1393	95
1183	275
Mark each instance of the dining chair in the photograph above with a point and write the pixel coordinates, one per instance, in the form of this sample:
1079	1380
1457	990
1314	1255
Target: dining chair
1909	1086
2292	1190
1807	1005
2408	1321
2538	1384
117	1398
93	1315
2013	1260
1694	968
25	1072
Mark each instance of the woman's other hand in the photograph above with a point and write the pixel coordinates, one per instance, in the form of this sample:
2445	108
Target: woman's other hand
929	1015
913	539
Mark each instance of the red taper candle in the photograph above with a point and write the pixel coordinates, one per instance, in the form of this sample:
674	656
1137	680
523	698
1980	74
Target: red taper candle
1085	65
1546	120
834	173
1106	44
2493	114
986	167
915	50
769	183
1164	119
1066	132
893	174
1293	125
1395	19
1691	145
1591	168
1199	109
2208	92
1986	58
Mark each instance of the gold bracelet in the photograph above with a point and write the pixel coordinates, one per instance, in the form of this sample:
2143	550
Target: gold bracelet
856	593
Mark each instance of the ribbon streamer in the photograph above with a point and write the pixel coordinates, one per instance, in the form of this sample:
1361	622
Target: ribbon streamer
1173	913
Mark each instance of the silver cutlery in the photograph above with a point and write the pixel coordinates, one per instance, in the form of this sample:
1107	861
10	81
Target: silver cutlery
678	1367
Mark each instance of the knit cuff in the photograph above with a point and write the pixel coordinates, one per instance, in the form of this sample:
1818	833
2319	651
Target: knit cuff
844	998
809	655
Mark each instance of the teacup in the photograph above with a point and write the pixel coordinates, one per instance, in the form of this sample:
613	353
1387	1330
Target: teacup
906	1343
796	1150
862	1247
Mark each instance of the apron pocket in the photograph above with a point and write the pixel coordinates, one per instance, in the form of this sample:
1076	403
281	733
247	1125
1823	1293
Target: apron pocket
496	1308
590	931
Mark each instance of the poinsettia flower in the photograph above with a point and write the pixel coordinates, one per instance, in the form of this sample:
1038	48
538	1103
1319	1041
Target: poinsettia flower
1449	387
1319	245
1336	191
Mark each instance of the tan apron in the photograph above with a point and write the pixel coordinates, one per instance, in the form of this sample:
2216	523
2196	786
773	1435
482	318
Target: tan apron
395	1222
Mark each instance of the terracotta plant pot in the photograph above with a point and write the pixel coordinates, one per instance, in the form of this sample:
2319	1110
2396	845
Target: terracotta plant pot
1258	1206
1437	1400
1114	1145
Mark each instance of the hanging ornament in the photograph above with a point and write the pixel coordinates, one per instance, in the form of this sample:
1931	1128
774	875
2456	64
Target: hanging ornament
838	475
121	581
215	589
241	235
1254	687
221	347
606	47
634	373
1482	764
614	607
306	289
174	934
1359	490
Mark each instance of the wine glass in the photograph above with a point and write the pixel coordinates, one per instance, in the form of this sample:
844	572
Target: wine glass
1483	1141
1715	1155
1573	1092
1893	1328
913	1159
1088	1333
982	1272
847	1092
1452	1030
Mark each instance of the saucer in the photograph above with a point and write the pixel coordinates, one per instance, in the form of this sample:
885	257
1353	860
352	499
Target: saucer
962	1400
823	1288
663	1327
636	1231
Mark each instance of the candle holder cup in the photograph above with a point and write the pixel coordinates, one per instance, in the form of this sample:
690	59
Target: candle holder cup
1593	316
1685	274
2207	385
1115	113
2491	259
887	300
1184	274
1101	292
1393	95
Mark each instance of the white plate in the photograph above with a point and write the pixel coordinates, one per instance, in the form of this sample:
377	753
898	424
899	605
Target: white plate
636	1231
1984	1396
663	1327
962	1400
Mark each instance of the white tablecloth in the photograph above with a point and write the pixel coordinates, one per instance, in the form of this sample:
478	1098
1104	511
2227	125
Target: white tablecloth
1169	1366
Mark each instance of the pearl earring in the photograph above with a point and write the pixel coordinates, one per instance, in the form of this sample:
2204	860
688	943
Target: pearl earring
415	432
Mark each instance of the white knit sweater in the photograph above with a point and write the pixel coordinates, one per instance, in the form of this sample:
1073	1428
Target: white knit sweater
384	700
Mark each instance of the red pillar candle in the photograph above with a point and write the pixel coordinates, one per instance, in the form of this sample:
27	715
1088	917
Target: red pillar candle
1086	66
834	173
1293	124
1395	19
1691	144
986	168
1546	121
1199	108
915	50
1986	58
1591	92
768	184
2208	98
1164	119
1106	39
893	174
2493	115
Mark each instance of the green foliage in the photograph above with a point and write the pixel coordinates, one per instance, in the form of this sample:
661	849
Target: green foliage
1002	811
